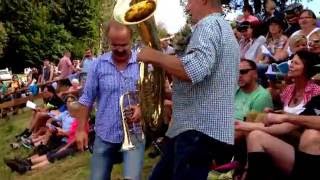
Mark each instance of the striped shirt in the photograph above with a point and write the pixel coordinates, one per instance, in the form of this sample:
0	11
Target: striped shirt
211	61
106	84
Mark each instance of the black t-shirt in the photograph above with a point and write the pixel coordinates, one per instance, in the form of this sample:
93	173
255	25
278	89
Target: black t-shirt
54	101
46	73
312	107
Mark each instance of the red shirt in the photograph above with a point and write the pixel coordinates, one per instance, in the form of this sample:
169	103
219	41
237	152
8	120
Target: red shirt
251	19
73	129
311	90
65	66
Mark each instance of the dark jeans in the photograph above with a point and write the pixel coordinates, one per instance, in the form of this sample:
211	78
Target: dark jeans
189	156
57	154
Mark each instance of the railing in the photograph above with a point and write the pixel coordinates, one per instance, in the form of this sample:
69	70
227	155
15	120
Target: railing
14	102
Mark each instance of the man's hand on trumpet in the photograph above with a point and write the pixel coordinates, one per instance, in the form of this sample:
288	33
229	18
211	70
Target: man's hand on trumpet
133	114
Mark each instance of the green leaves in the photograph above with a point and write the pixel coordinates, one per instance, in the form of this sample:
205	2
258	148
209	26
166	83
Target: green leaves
36	29
3	38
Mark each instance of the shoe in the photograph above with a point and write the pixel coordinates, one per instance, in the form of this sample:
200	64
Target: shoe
226	167
26	162
15	166
26	133
156	150
26	142
21	169
26	145
14	145
154	153
10	163
41	149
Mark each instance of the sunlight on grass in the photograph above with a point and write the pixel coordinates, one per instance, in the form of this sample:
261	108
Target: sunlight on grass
72	168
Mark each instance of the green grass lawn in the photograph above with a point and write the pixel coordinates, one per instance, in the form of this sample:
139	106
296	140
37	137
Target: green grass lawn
72	168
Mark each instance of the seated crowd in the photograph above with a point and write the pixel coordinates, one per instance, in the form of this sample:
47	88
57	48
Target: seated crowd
51	130
277	115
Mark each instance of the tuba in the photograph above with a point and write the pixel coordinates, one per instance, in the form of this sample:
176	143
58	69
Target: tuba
151	88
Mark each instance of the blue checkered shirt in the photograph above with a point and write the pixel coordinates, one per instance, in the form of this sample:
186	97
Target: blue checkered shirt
106	84
211	61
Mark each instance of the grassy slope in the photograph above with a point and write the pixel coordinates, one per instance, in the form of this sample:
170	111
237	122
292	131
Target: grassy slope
72	168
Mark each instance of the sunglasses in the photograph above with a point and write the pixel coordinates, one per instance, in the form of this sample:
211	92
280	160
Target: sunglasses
244	71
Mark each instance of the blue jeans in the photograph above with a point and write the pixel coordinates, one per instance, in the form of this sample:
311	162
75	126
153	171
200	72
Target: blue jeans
189	156
106	154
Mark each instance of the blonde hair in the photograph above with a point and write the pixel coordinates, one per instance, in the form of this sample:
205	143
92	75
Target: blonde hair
296	39
316	33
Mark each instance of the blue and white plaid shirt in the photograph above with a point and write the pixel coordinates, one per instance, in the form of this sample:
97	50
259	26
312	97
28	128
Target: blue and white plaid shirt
211	61
106	84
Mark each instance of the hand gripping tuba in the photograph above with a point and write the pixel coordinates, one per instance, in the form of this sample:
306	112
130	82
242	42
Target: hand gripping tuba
152	78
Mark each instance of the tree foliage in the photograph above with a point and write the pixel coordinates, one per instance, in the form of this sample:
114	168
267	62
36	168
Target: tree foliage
3	38
38	29
181	39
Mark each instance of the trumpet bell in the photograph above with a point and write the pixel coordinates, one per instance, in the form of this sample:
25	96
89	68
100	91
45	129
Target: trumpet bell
130	14
127	147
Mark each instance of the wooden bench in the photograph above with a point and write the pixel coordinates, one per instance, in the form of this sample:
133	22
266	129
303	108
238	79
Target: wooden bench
14	102
17	102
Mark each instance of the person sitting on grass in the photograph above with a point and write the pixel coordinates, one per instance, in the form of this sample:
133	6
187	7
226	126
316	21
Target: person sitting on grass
57	126
37	162
53	106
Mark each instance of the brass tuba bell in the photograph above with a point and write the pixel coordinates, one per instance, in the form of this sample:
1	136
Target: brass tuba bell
152	79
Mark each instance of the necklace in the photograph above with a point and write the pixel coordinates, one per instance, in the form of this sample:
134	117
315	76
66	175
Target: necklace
297	98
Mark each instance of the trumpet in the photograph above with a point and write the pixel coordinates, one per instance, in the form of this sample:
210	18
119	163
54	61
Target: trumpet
127	100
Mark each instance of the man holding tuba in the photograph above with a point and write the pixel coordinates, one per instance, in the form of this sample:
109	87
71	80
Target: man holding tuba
110	76
205	81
